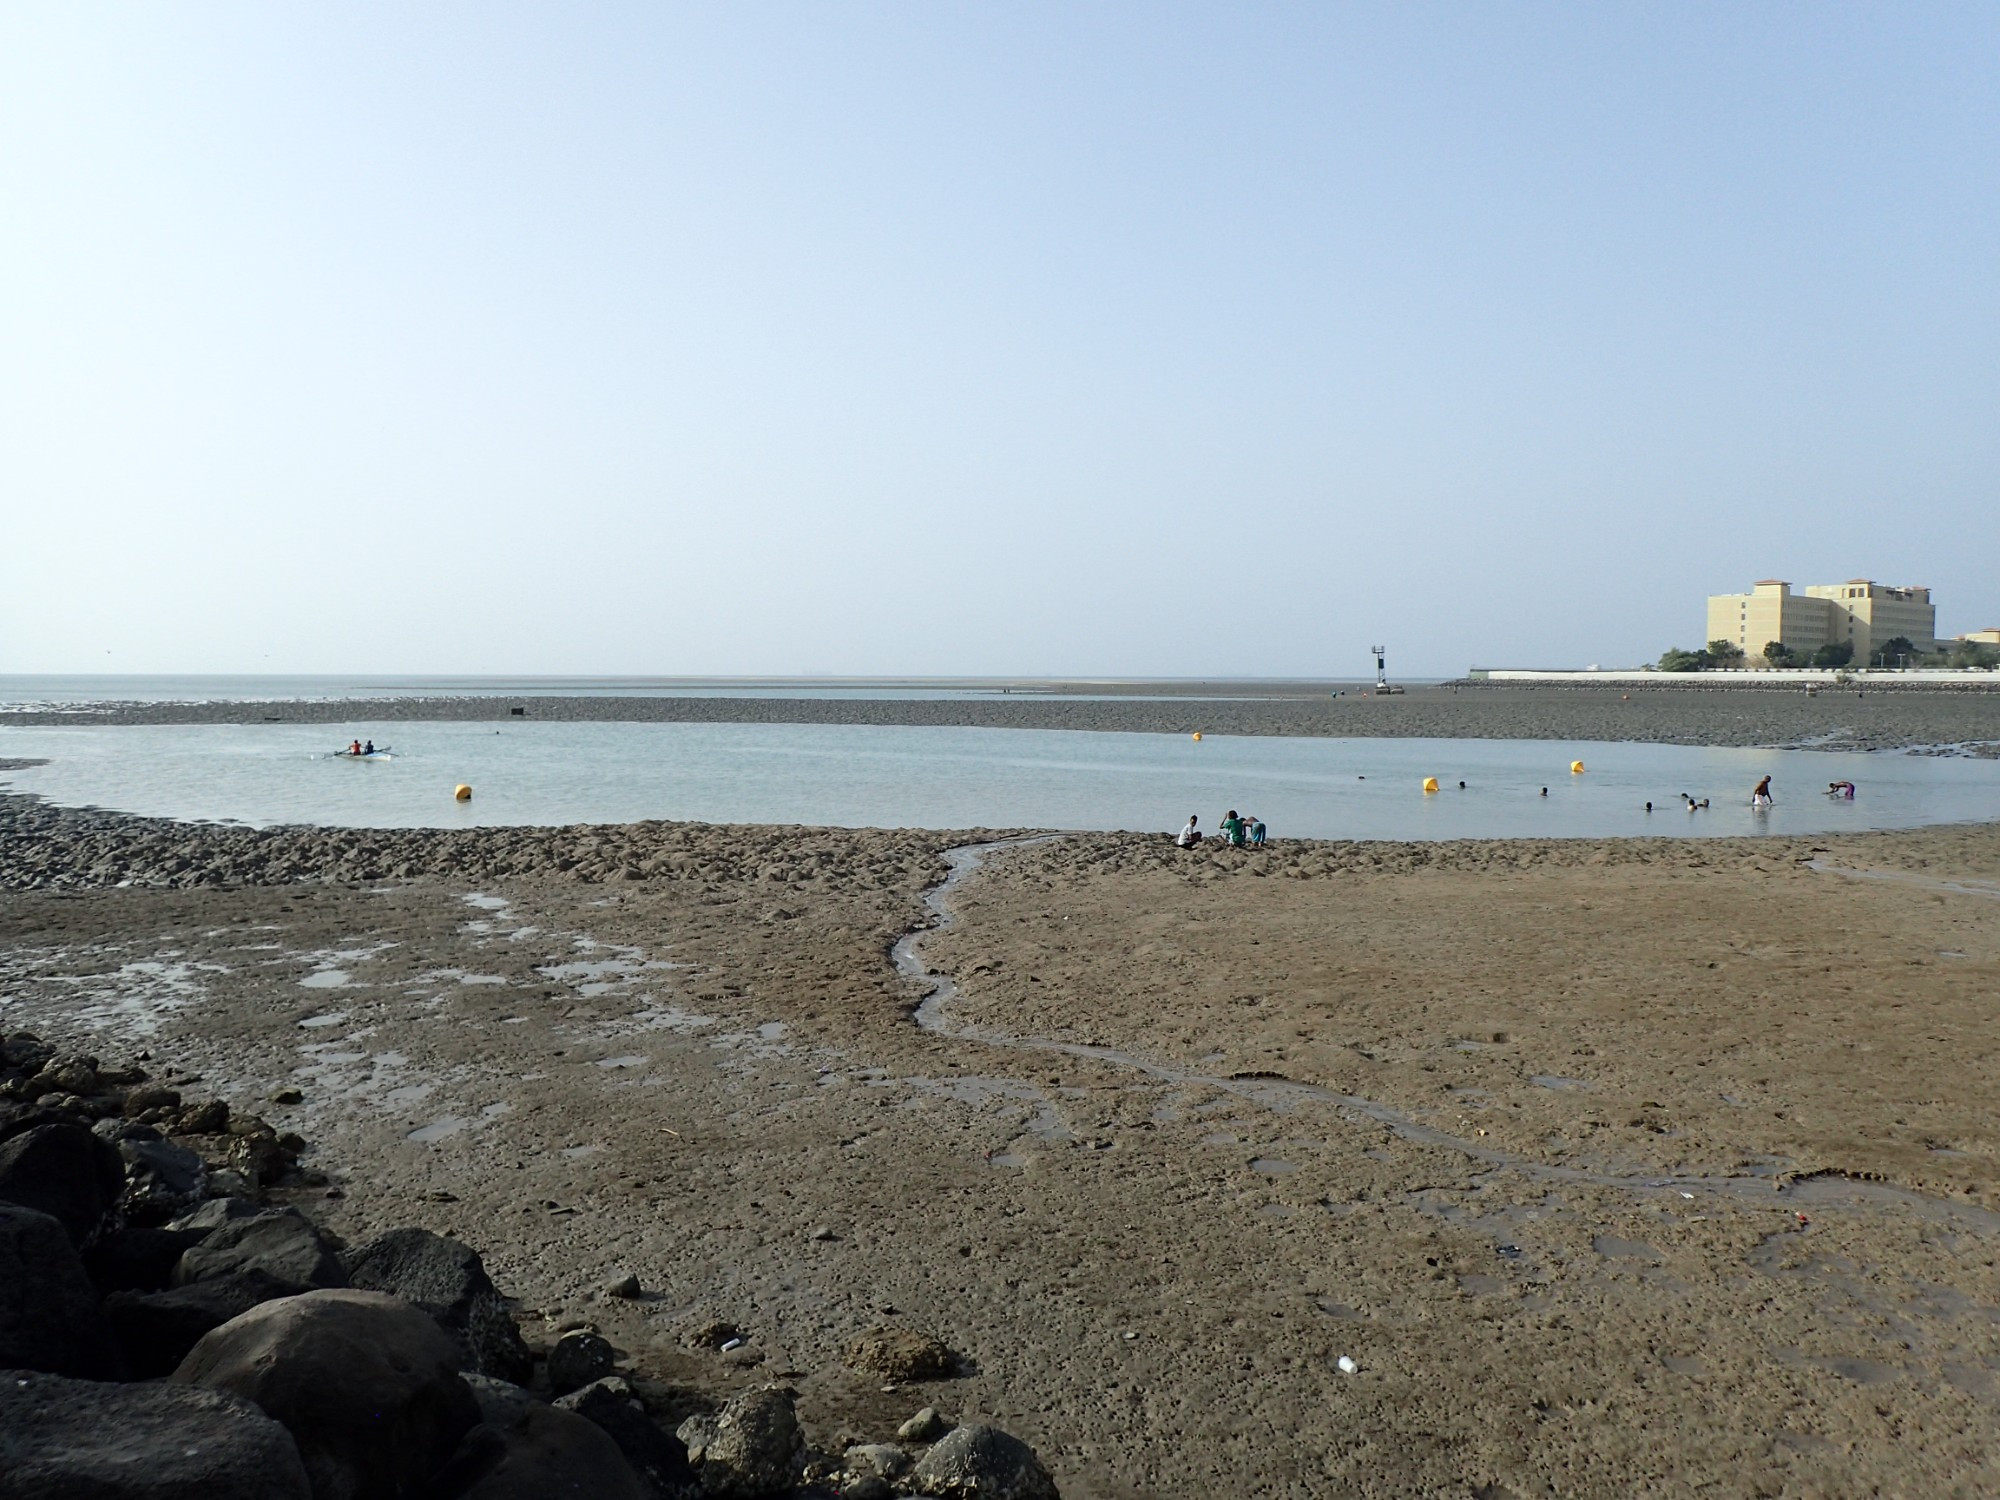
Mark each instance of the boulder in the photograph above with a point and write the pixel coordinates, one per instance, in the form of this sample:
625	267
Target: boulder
367	1385
49	1317
149	1097
981	1463
578	1358
65	1075
523	1450
138	1260
447	1280
162	1181
219	1211
282	1245
26	1052
752	1447
78	1440
902	1355
156	1330
658	1457
65	1172
925	1427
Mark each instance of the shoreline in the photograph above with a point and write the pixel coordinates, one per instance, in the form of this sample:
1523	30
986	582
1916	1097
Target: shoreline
1940	721
1418	1109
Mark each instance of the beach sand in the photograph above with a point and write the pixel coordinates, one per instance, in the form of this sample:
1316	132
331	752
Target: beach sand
1964	720
1661	1167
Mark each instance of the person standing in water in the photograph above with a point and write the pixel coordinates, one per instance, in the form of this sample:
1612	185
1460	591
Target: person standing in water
1761	797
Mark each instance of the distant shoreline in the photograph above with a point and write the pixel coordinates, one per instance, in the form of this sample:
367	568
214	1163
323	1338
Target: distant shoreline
1939	721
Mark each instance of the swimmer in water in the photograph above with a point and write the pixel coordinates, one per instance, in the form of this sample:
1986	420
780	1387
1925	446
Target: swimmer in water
1761	796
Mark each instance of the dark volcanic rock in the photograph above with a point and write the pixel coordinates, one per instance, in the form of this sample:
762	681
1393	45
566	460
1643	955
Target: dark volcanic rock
579	1358
523	1450
752	1447
162	1181
138	1260
156	1330
981	1463
63	1171
446	1279
49	1317
77	1440
282	1245
657	1457
368	1386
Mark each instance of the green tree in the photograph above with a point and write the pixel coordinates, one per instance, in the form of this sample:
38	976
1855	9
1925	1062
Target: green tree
1834	654
1725	653
1973	654
1778	654
1892	651
1673	659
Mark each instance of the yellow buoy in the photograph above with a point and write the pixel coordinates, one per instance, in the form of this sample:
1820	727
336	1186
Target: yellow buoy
1576	768
463	792
1430	783
1197	734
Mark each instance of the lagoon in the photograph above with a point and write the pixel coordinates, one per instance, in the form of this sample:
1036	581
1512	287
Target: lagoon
899	776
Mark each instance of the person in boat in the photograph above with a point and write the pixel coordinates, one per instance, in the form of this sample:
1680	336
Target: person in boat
369	748
1761	795
1232	829
355	748
1256	825
1190	835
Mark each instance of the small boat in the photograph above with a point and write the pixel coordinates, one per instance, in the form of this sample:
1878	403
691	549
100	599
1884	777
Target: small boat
380	752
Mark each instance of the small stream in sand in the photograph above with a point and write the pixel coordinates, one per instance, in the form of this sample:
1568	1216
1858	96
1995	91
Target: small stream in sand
1283	1095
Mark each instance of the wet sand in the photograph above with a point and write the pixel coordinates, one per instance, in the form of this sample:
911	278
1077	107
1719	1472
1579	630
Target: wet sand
1962	720
1523	1129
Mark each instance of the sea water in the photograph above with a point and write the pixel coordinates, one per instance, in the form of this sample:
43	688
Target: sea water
887	776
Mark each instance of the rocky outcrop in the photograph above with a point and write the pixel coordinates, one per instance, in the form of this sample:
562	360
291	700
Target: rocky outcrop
367	1385
281	1245
65	1172
447	1280
282	1381
752	1447
49	1317
523	1450
981	1463
80	1440
658	1458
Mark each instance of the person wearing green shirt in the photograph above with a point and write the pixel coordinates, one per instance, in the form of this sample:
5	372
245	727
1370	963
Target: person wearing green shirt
1232	829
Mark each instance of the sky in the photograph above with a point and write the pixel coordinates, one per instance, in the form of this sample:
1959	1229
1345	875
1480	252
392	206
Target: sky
1086	338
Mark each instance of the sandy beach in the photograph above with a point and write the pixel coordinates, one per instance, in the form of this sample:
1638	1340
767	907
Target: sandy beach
1955	720
1648	1166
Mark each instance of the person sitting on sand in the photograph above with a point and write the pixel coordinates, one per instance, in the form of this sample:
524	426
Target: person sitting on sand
1761	796
1256	831
1232	829
1190	835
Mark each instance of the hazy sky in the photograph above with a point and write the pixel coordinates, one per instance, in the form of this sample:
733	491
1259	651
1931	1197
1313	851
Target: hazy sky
1009	337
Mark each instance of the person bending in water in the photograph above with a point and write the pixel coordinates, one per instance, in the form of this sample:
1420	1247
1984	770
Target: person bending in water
1190	835
1840	789
1761	796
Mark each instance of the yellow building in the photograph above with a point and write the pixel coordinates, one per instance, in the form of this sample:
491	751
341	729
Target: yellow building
1860	613
1990	636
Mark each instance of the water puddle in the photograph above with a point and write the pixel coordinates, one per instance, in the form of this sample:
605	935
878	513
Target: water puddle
324	979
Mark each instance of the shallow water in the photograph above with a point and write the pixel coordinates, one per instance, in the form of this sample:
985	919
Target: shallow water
899	776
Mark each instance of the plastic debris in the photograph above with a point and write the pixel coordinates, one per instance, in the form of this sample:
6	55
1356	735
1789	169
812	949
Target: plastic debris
731	1344
1346	1364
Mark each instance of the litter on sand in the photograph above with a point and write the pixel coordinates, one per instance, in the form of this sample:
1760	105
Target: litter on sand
1347	1365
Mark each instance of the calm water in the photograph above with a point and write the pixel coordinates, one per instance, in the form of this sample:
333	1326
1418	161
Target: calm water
867	776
